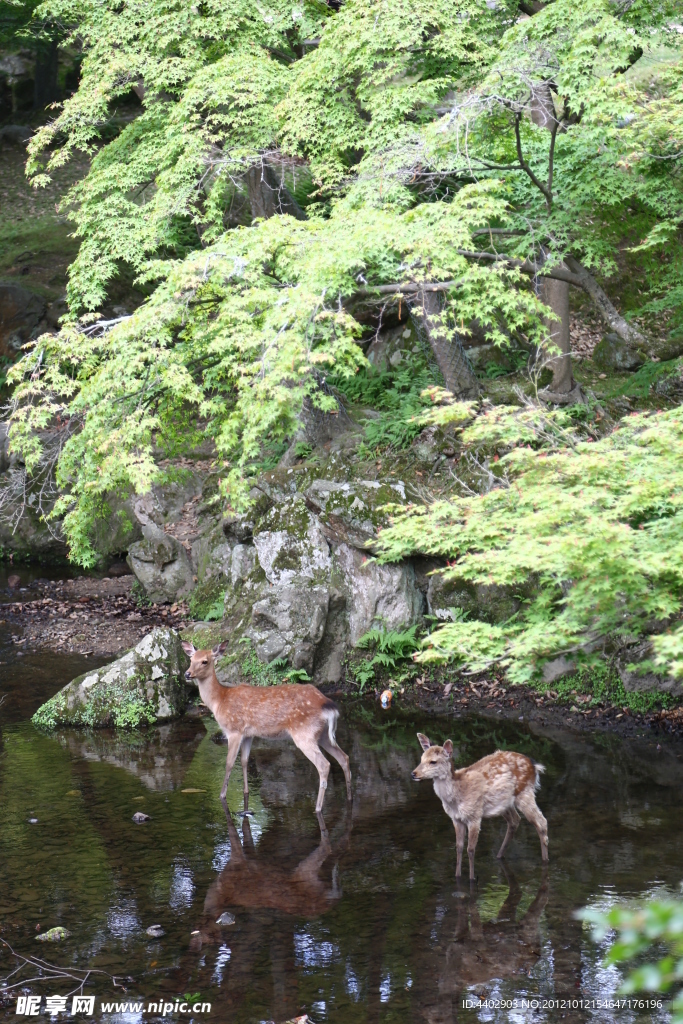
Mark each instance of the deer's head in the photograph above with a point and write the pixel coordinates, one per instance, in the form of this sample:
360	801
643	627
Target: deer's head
201	662
435	762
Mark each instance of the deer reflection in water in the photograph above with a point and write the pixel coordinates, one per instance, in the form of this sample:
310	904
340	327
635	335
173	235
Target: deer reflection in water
477	952
277	898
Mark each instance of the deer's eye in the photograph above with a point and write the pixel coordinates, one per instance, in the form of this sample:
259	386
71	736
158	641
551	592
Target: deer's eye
205	661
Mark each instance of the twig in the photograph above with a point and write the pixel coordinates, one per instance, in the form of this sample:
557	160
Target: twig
50	971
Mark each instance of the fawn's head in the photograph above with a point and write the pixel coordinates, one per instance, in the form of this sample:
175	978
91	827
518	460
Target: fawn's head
435	762
201	662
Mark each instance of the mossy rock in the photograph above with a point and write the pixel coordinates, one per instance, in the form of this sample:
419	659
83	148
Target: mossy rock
143	687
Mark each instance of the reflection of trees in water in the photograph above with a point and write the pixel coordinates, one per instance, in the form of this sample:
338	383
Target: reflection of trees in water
472	952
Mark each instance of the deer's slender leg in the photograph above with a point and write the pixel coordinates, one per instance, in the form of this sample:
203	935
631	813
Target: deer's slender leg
526	803
472	837
513	820
459	846
338	754
312	751
234	742
245	751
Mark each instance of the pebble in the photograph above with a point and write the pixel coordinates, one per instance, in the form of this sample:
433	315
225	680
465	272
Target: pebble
139	817
155	931
226	918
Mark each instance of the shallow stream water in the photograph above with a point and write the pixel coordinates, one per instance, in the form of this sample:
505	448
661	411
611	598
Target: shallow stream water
368	927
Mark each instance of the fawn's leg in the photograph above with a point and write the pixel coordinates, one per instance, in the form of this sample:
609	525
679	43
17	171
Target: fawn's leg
526	803
234	742
513	820
472	838
312	751
245	751
338	754
459	846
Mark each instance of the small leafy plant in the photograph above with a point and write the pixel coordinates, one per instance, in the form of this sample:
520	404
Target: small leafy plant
639	929
392	649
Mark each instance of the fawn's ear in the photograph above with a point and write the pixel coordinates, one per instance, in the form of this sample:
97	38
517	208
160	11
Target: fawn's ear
217	651
425	741
188	647
448	747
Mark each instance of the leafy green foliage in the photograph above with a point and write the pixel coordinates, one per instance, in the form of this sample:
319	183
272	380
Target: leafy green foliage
393	648
641	930
396	395
640	384
594	525
262	188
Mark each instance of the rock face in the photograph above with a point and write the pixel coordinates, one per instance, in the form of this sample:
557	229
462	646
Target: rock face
303	591
295	580
645	682
141	688
21	311
161	565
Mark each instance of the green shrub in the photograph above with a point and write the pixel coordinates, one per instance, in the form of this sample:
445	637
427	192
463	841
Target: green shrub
393	649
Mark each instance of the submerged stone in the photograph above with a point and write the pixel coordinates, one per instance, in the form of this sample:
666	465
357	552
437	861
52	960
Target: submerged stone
146	685
53	935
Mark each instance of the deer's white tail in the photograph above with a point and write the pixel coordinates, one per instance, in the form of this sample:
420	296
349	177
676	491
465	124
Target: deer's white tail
539	769
330	713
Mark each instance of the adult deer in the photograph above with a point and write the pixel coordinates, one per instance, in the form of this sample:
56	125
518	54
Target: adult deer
499	784
244	713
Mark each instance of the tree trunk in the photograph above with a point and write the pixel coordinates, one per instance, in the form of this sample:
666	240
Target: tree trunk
268	196
555	295
45	85
610	315
449	355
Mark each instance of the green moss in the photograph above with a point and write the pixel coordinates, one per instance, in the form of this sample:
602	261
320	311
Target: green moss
120	705
257	672
603	683
50	714
207	600
203	637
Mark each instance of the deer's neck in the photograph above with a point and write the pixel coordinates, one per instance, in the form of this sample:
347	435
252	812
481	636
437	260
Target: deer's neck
448	790
212	693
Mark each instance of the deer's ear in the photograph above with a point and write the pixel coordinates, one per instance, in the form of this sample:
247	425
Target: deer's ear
217	651
188	647
425	741
448	747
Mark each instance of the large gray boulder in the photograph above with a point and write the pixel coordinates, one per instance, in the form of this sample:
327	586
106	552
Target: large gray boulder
300	584
161	564
644	681
614	354
146	685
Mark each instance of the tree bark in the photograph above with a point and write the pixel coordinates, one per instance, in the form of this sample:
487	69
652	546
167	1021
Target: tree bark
552	293
606	309
267	195
450	359
45	84
555	295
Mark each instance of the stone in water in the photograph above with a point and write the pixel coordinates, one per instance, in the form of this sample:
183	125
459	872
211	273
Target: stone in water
226	918
155	931
54	935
